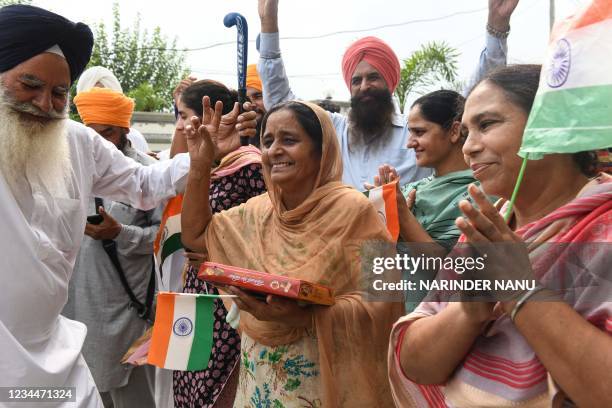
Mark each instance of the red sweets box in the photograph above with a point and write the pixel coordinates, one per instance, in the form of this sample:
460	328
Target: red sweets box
266	283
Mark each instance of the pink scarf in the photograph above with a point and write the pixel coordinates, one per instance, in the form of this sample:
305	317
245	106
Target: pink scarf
234	161
501	369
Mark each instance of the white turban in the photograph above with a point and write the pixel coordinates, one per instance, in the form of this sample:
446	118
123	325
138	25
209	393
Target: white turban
95	75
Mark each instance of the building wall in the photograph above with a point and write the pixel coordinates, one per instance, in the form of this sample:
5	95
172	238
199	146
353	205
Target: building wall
157	128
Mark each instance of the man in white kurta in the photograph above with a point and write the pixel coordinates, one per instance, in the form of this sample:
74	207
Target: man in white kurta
49	169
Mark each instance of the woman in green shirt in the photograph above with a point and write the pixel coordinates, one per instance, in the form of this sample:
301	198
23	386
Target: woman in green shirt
428	208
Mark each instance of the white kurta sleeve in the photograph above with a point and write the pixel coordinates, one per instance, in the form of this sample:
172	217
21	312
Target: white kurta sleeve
120	178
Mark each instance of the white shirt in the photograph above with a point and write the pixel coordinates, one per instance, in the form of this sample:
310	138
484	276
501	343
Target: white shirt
39	241
138	141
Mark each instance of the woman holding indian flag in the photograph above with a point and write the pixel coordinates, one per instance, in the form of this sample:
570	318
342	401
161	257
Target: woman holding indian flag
521	351
309	226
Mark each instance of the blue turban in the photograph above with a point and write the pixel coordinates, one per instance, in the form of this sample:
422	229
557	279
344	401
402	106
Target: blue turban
27	31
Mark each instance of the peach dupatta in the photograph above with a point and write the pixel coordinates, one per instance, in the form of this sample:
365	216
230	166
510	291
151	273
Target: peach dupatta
321	241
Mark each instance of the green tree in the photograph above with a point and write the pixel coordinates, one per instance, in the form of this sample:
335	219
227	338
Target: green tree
433	63
148	66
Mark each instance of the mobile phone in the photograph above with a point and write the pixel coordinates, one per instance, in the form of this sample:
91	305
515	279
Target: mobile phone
94	219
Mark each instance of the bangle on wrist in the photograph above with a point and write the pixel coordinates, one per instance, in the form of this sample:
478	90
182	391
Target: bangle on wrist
523	299
497	33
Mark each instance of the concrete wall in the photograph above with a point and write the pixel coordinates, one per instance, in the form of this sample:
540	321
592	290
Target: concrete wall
157	128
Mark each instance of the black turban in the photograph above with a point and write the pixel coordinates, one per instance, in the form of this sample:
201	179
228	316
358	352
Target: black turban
26	31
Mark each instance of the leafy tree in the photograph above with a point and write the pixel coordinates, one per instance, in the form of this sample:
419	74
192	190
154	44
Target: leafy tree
433	63
148	66
147	99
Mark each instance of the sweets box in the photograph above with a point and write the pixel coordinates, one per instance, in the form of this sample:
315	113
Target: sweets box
266	283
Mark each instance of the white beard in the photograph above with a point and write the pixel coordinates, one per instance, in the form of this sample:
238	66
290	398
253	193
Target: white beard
33	151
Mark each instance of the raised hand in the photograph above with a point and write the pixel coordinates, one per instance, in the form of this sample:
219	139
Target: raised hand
268	14
201	135
506	254
227	123
500	12
247	121
388	174
411	199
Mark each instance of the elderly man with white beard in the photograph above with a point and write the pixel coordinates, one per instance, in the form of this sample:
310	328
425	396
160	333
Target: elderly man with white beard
49	169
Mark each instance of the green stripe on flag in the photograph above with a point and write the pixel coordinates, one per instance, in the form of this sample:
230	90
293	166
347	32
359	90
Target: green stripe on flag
203	336
552	129
171	245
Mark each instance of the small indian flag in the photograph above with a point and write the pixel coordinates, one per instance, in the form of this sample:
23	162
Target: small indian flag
182	334
572	111
384	200
168	239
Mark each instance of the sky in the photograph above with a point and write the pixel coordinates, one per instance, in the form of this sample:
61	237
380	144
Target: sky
313	65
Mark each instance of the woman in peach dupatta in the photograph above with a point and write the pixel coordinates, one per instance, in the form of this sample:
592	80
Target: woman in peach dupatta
309	226
533	353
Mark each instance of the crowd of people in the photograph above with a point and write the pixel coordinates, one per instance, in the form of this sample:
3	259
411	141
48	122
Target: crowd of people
86	205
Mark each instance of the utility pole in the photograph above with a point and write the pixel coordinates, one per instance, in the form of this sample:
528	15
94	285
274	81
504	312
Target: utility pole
551	16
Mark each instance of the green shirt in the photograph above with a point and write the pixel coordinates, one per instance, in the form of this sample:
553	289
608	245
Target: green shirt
436	205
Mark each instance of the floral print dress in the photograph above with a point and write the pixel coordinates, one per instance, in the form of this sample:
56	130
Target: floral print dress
202	388
282	376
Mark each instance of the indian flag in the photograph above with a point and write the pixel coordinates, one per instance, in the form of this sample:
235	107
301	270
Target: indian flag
182	334
572	111
168	242
384	200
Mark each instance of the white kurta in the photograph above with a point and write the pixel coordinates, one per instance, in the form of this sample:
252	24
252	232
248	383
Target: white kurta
39	241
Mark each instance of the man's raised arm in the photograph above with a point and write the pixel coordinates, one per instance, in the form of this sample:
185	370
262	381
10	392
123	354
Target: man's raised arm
495	52
271	68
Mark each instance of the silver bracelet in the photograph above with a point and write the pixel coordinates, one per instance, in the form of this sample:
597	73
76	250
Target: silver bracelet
496	33
524	299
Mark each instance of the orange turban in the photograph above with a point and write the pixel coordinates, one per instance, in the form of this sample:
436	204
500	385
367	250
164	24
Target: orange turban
252	78
104	106
375	52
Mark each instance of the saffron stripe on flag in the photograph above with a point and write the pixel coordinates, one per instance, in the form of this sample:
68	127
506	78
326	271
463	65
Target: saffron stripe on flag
383	198
161	335
598	10
389	195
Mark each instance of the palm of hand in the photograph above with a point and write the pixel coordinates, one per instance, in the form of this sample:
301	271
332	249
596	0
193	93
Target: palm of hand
202	135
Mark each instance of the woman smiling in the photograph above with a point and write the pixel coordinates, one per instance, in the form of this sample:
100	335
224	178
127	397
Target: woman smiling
519	352
308	226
